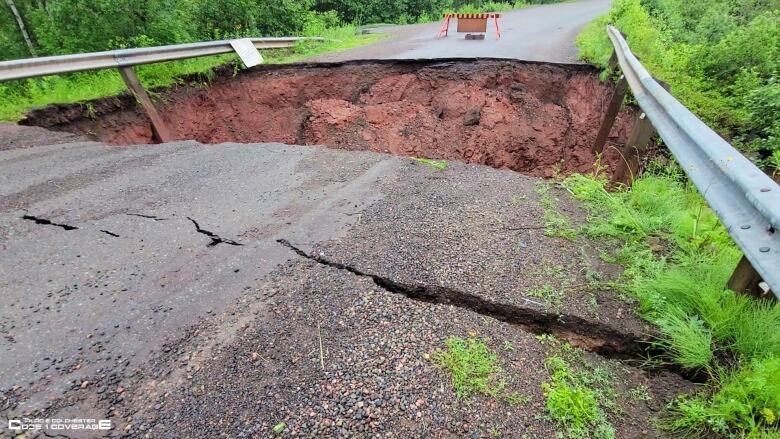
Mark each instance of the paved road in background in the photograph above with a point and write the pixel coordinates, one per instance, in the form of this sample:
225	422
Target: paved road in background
536	33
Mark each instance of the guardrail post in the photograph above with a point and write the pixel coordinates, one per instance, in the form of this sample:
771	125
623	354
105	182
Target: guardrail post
612	111
637	142
159	130
631	154
745	280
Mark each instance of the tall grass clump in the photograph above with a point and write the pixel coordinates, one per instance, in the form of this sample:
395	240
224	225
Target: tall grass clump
678	259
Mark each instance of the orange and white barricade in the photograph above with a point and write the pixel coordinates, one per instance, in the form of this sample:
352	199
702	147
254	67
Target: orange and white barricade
476	23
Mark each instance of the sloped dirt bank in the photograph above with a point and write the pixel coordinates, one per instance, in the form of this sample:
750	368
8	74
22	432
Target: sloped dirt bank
537	118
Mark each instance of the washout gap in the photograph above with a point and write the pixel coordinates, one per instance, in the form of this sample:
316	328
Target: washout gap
598	338
47	222
215	239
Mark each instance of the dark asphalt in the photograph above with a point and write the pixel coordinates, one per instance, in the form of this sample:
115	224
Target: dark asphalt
112	294
135	269
535	33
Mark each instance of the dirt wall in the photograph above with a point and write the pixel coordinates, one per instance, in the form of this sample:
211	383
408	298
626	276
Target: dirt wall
535	118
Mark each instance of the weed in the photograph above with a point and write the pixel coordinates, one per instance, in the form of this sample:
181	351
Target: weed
472	366
747	402
89	109
593	303
639	393
572	400
555	223
508	346
546	339
687	340
555	290
439	165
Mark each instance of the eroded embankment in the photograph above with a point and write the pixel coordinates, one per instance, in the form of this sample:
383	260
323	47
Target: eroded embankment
536	118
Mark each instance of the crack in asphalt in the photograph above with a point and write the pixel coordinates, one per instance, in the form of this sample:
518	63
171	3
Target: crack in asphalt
47	222
156	218
215	239
595	337
110	233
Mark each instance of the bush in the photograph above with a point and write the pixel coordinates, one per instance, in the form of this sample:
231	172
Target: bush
746	405
721	58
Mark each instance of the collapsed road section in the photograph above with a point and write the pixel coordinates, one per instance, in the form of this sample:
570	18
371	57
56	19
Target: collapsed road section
537	118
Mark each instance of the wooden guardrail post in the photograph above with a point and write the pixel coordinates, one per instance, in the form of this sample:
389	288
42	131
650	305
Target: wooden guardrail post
746	280
621	88
159	130
636	144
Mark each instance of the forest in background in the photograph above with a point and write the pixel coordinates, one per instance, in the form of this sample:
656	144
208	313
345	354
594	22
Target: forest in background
57	27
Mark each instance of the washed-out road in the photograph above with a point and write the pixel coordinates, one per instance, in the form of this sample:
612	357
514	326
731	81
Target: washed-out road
189	290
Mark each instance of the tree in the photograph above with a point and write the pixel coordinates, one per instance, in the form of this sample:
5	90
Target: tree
22	27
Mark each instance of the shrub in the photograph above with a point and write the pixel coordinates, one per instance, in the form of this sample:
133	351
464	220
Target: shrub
721	58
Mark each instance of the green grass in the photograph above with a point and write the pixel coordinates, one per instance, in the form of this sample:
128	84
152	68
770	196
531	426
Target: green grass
19	96
703	326
556	224
746	405
439	165
719	57
474	369
578	394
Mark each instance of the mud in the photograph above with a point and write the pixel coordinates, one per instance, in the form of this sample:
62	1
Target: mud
536	118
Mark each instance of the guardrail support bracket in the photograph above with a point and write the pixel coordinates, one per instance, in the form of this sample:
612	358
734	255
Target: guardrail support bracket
159	130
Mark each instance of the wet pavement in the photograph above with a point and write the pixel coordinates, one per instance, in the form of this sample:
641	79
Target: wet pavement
535	33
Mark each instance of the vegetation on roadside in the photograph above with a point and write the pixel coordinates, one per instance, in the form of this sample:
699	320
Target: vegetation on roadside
578	394
721	58
18	96
474	369
556	224
677	259
439	165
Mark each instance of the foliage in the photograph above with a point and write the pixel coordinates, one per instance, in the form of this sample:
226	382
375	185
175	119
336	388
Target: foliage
747	402
474	369
721	58
577	394
677	259
18	96
439	165
555	223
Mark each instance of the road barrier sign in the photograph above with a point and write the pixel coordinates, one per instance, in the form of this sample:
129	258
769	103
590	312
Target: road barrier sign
470	23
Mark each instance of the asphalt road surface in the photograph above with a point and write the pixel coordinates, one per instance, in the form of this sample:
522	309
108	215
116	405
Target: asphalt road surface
536	33
188	290
117	258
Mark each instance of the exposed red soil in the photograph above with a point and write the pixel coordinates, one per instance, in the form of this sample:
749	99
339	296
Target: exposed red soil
537	118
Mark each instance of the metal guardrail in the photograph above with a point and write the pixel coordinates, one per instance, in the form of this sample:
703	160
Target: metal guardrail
56	65
745	199
125	59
